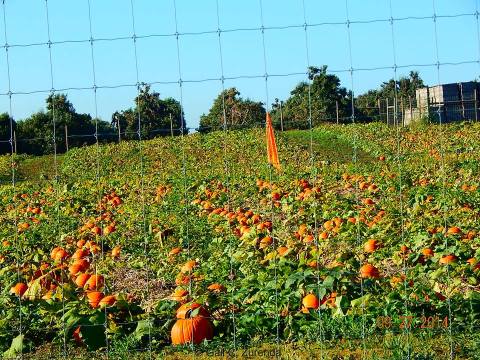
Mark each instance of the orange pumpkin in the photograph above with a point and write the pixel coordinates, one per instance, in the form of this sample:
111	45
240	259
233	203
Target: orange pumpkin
108	300
81	280
371	246
191	328
283	250
404	249
472	261
454	230
54	251
116	252
448	259
78	266
174	251
23	226
95	282
109	229
188	266
216	288
337	221
328	225
368	201
369	271
80	254
94	298
302	229
182	279
324	235
81	243
310	301
97	230
19	289
308	239
265	242
427	252
60	255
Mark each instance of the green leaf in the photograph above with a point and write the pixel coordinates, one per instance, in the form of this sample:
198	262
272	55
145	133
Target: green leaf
71	318
15	348
34	290
194	312
361	300
292	279
328	282
143	328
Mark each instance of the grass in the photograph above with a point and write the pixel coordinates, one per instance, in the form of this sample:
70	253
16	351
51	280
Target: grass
326	145
29	168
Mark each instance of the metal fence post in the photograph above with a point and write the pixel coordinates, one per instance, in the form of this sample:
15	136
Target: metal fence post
119	130
388	120
336	109
281	116
66	137
475	103
379	103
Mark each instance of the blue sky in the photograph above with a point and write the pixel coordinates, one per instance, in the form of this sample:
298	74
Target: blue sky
242	50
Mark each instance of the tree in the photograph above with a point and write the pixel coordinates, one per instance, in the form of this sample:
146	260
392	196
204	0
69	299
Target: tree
404	88
320	98
35	134
239	112
153	115
6	123
366	105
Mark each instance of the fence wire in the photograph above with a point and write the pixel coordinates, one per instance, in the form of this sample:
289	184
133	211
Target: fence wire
315	175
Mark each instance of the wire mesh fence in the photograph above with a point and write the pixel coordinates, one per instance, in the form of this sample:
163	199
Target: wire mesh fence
149	233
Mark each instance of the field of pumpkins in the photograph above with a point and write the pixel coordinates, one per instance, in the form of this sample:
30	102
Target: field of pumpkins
365	244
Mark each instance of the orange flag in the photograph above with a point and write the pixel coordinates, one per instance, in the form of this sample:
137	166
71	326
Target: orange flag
271	145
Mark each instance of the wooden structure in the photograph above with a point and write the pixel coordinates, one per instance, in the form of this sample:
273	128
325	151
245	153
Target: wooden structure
446	103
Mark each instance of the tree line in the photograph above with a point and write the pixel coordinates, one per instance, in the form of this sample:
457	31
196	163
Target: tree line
321	99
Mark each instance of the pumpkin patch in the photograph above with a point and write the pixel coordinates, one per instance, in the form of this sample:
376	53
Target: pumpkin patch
230	248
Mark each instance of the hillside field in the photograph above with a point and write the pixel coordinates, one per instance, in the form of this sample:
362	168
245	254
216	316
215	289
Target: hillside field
366	244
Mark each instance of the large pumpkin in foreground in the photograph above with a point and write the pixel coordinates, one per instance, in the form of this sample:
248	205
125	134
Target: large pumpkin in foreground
192	326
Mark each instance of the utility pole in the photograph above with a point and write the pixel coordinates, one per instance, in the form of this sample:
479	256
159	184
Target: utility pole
171	125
